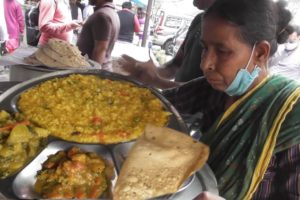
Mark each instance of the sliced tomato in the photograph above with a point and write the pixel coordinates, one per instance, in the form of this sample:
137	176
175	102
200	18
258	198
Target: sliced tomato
96	120
11	126
95	192
123	93
123	134
100	135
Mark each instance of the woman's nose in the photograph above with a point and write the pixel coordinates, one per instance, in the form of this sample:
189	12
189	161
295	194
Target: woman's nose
207	61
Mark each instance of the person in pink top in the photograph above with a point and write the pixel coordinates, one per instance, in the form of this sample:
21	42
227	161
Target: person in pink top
55	21
15	23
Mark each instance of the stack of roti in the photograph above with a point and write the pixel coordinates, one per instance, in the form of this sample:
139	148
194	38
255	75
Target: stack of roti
58	53
158	163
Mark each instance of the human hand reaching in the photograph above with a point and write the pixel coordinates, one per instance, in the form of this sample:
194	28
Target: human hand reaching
144	72
75	24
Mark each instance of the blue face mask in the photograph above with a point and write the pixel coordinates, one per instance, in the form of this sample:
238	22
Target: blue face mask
243	80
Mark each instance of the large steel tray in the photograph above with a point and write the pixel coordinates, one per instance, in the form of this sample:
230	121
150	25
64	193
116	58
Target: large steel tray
204	179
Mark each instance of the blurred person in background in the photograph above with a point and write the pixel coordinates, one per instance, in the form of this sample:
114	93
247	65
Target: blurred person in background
82	4
55	21
88	9
129	23
76	12
182	68
3	28
286	61
15	23
79	4
100	32
76	15
141	15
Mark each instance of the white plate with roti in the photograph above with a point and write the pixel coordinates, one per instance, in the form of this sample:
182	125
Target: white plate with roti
59	54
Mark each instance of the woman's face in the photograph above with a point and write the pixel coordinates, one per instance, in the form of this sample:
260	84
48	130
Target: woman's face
224	53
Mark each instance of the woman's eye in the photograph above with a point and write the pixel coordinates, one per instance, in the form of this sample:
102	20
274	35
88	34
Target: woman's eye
222	51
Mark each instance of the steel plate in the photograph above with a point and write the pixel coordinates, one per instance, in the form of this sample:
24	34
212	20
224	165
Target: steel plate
20	185
23	184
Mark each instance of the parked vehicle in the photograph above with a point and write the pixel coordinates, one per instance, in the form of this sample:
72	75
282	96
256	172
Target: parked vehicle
178	39
167	26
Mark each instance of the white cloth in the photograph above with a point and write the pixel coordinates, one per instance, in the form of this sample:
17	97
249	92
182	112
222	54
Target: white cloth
87	11
22	2
286	61
79	17
3	28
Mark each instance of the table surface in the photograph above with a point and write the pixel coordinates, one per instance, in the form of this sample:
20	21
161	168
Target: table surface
139	53
120	48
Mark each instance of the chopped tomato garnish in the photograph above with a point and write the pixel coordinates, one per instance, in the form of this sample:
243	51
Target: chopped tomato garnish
122	93
94	192
49	165
80	194
100	135
72	152
78	165
123	134
68	194
96	120
54	194
11	126
97	181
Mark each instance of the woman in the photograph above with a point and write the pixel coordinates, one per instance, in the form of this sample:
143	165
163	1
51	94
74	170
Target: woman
141	15
3	28
251	120
55	21
15	23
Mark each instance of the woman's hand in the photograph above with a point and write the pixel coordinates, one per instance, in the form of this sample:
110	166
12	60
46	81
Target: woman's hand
75	24
208	196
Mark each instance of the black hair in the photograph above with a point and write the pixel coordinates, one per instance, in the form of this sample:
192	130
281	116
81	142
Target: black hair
284	34
297	29
140	9
127	5
257	20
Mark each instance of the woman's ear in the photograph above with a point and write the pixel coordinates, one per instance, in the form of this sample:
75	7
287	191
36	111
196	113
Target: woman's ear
262	52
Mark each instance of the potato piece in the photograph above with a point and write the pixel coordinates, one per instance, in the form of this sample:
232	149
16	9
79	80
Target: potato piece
19	133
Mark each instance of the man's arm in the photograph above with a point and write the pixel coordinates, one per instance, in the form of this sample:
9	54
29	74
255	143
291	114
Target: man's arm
46	22
20	17
102	31
149	73
99	51
169	69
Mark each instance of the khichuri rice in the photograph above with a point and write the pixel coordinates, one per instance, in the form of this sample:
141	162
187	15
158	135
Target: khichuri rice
87	108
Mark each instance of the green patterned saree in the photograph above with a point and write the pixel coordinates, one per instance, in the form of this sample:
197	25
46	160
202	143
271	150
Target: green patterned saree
264	121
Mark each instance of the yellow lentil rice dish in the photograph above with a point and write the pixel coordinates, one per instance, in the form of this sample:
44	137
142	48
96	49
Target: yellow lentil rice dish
90	109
